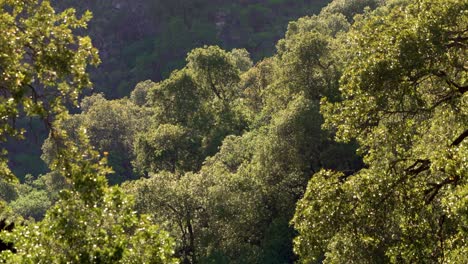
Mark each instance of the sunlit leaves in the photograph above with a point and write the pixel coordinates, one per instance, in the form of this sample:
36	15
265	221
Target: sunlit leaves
42	62
107	231
404	100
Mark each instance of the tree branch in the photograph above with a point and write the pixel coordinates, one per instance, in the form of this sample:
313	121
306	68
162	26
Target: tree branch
459	139
419	166
442	74
213	87
432	192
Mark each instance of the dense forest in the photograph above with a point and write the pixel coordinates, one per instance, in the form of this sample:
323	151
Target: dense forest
342	141
147	39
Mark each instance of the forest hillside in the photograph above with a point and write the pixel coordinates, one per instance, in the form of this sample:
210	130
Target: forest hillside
348	144
148	39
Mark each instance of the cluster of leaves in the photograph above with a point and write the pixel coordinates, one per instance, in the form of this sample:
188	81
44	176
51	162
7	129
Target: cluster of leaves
34	52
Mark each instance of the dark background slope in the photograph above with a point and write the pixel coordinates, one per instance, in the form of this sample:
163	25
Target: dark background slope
148	39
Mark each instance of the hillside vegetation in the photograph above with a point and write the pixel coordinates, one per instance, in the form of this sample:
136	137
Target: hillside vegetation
148	39
347	145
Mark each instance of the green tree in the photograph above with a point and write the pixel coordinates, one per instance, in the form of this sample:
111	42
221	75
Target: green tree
140	93
215	70
175	200
242	59
404	100
107	231
43	63
253	84
350	8
237	205
198	100
178	100
32	204
168	147
112	126
43	66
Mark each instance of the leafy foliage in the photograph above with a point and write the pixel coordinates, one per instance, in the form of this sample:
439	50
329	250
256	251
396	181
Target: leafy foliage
236	206
90	223
42	64
106	232
404	100
229	151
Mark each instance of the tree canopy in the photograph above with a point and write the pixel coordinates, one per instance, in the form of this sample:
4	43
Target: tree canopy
348	145
403	98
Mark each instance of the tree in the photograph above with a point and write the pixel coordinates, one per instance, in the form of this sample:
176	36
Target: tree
215	70
350	8
106	232
112	127
179	122
242	59
404	100
253	84
179	100
175	200
32	204
198	100
43	63
43	66
139	94
168	147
